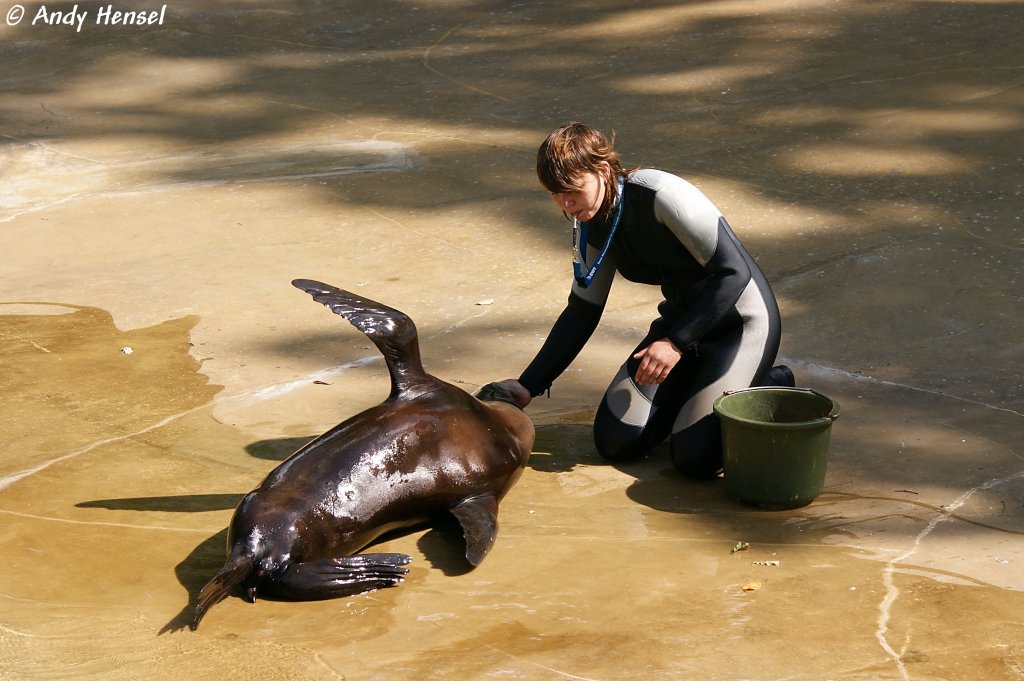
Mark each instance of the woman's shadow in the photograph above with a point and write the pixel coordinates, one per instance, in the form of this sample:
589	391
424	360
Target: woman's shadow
560	447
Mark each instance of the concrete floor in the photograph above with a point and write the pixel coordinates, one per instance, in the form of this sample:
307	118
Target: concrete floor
162	185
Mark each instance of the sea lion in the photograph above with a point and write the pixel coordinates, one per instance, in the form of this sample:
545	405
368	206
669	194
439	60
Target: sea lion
430	448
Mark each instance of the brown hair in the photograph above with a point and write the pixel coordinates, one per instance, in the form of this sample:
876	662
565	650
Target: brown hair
573	150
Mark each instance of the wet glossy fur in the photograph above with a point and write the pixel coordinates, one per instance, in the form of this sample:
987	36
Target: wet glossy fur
430	448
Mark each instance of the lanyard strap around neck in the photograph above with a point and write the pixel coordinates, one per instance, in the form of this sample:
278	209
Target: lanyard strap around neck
584	274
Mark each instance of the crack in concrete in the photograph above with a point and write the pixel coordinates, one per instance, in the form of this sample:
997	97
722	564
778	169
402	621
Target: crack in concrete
9	480
278	389
427	65
27	341
319	657
824	370
15	632
940	510
806	268
419	233
892	592
93	523
538	665
946	512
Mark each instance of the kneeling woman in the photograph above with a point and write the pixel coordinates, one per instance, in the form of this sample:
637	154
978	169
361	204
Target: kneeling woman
717	328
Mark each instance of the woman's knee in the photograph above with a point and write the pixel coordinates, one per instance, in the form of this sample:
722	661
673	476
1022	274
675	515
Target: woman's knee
616	440
697	449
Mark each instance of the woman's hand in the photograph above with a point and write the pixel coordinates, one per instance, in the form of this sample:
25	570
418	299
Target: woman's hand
519	392
656	361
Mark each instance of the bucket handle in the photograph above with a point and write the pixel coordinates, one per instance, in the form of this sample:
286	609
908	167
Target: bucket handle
832	414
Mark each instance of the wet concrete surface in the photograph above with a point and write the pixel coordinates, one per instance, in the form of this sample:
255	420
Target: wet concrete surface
162	185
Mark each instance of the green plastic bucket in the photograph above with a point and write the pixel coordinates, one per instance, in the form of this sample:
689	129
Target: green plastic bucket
775	444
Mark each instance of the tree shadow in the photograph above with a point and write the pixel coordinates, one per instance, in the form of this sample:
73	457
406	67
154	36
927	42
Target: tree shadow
357	62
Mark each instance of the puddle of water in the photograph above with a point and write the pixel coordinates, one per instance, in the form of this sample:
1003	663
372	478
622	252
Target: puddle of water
73	379
593	564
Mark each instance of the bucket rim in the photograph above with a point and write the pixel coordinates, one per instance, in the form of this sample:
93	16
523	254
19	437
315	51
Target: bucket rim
832	415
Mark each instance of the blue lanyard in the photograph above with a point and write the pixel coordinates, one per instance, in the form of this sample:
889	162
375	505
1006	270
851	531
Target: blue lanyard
579	244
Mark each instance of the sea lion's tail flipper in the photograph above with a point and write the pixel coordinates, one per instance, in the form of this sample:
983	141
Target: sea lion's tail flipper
336	577
231	575
392	331
479	519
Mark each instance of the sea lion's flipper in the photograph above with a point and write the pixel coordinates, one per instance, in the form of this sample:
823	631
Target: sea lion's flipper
392	331
479	519
336	577
231	575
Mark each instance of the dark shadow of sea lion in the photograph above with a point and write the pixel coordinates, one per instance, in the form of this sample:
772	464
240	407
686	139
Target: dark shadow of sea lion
277	449
429	449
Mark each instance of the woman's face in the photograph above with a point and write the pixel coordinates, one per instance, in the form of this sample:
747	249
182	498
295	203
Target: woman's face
586	201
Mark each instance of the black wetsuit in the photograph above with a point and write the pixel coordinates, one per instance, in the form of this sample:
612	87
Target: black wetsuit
718	310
